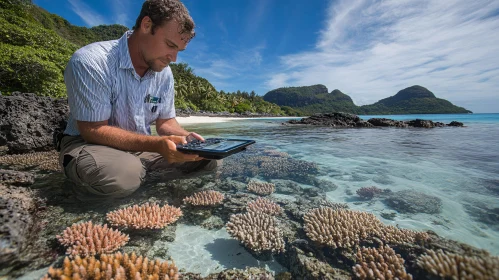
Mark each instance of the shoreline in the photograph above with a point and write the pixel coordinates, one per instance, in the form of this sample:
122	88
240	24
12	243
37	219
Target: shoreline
218	119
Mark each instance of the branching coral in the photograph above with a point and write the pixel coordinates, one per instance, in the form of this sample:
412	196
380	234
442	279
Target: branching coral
117	266
345	228
453	266
381	263
205	198
256	231
87	239
145	216
263	205
48	161
262	188
339	228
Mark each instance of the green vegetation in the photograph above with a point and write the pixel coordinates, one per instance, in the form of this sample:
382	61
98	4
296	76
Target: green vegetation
36	45
316	99
412	100
311	99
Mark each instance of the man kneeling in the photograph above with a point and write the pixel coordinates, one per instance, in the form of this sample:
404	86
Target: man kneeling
116	90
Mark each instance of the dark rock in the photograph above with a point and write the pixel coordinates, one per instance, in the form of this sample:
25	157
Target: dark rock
18	178
414	202
386	122
340	120
421	123
28	122
455	123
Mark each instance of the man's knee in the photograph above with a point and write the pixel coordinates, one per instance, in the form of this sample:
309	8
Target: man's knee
109	178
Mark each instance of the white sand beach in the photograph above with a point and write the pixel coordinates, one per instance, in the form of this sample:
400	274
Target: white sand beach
207	119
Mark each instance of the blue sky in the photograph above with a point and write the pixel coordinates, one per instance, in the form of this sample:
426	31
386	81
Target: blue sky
368	49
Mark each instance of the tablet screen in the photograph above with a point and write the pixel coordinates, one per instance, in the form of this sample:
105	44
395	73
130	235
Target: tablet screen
224	145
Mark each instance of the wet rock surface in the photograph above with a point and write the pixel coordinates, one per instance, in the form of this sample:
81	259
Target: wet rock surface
28	122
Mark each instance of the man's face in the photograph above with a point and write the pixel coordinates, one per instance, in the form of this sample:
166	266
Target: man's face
160	49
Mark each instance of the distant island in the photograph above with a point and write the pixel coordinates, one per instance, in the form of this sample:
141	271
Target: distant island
316	99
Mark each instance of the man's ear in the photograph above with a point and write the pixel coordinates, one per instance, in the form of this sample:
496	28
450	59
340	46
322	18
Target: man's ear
146	25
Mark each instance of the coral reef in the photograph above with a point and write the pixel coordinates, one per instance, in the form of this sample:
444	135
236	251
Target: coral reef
263	205
87	239
345	228
17	208
453	266
205	198
257	162
47	161
262	188
380	263
149	216
256	231
117	266
369	192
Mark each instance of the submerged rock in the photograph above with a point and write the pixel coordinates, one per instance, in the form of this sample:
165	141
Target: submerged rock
409	201
18	207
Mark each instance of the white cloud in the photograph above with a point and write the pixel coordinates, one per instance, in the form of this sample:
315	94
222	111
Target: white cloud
89	16
372	49
120	13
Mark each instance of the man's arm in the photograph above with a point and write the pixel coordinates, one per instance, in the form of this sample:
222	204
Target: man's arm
103	134
170	127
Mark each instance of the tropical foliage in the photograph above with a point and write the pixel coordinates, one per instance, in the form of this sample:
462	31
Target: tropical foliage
36	45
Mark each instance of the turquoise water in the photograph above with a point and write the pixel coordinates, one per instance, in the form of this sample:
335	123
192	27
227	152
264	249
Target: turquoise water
458	165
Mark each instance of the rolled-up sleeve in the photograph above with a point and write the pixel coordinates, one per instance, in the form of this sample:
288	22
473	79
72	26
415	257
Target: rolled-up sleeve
168	110
89	95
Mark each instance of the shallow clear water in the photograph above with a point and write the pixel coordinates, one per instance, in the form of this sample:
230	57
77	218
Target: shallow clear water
458	165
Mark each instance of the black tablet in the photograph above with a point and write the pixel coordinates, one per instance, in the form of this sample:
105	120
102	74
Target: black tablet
215	148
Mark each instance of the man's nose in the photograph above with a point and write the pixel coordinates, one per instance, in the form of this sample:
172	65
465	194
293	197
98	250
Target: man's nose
173	56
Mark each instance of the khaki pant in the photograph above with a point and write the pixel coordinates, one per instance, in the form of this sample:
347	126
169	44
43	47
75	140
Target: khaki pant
100	172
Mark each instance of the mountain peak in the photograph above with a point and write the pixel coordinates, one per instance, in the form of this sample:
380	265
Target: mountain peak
414	92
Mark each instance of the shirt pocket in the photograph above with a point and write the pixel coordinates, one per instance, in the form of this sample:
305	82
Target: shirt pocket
151	111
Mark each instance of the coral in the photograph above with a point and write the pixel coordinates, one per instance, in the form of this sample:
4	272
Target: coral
256	231
263	205
205	198
18	178
345	228
453	266
381	263
262	188
333	205
149	216
271	165
87	239
275	153
48	161
117	266
339	228
369	192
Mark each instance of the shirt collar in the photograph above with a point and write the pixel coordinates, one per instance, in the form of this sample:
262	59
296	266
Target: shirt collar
125	60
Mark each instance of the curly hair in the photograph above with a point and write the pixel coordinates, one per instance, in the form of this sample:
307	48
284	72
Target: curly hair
161	11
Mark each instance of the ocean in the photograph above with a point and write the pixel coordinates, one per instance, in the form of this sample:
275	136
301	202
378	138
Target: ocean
457	165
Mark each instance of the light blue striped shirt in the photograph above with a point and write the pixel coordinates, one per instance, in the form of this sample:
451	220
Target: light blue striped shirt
103	85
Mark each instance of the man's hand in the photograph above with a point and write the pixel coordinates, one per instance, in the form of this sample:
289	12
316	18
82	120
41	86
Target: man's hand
168	149
193	136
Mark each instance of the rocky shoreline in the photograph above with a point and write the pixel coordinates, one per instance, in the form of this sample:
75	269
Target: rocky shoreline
345	120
